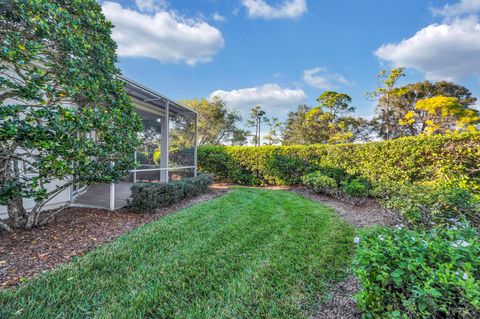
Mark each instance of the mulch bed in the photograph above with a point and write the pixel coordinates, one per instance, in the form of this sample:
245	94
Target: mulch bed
74	232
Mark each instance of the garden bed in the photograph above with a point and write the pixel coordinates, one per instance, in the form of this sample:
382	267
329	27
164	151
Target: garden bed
75	231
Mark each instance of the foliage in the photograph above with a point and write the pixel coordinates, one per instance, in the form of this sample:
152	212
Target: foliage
61	103
336	182
256	114
217	123
274	128
356	188
446	115
294	132
148	197
385	95
329	122
450	161
410	120
320	183
419	274
427	206
248	254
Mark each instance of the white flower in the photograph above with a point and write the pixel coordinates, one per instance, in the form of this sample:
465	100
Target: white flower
356	240
465	276
399	226
460	243
381	237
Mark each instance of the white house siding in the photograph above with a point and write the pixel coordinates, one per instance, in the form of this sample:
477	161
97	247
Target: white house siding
59	200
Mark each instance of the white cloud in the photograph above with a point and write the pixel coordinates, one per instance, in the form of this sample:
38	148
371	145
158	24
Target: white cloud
218	17
321	79
163	36
151	5
286	9
446	51
274	99
457	9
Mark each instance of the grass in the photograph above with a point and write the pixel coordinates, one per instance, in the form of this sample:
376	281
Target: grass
249	254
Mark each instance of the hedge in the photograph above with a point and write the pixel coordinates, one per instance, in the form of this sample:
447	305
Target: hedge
148	197
451	161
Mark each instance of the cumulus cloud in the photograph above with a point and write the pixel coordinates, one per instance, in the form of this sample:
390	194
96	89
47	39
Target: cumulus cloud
320	78
287	9
457	9
274	99
163	35
447	51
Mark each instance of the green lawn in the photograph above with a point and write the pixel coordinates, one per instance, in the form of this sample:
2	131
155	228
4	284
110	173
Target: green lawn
248	254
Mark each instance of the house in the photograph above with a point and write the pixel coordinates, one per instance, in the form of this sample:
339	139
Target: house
159	115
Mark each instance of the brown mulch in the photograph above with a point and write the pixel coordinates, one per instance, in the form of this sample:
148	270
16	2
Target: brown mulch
341	305
74	232
368	213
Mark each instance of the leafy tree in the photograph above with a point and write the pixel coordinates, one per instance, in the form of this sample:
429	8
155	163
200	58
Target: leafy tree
294	131
65	116
329	122
217	123
274	127
447	115
239	137
384	95
412	120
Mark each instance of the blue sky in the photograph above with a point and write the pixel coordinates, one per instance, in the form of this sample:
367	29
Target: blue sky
280	53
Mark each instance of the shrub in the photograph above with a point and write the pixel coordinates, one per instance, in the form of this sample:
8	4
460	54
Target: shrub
357	187
419	274
427	206
148	197
320	183
446	160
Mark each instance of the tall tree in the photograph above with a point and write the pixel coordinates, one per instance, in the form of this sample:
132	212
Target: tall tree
330	122
385	95
412	120
216	122
274	130
447	115
294	131
65	115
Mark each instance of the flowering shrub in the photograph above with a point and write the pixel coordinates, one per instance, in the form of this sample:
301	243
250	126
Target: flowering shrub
419	274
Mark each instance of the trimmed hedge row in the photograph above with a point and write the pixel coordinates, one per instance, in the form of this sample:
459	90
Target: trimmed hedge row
148	197
450	161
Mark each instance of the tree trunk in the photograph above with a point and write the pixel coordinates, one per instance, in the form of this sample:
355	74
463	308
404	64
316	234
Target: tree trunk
17	213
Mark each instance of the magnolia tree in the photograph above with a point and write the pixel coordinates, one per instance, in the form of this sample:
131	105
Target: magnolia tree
65	117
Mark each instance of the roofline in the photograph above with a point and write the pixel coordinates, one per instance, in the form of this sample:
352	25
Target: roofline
160	96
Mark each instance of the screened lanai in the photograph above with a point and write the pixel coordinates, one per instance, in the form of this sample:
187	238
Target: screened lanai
168	150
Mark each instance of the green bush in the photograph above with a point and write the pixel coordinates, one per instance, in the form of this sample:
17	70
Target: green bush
148	197
357	187
320	183
419	274
451	161
427	206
